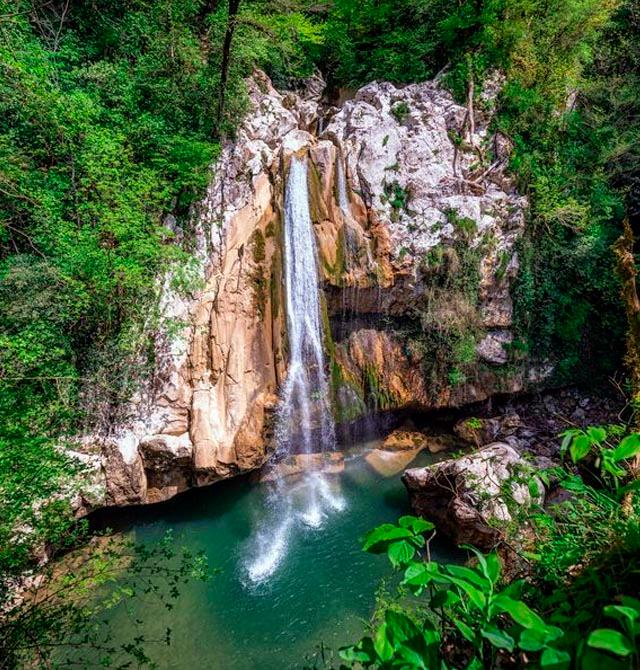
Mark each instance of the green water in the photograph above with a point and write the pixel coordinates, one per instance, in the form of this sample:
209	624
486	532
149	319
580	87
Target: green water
321	591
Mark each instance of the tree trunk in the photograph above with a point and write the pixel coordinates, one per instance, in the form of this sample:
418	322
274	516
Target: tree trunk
234	6
626	266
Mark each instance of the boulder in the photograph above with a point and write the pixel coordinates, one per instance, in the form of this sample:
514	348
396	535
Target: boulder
390	463
400	440
478	431
471	499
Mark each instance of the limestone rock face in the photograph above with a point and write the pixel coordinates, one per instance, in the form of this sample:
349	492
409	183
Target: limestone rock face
416	225
469	498
429	231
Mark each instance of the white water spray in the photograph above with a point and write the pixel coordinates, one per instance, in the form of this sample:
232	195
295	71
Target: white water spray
304	423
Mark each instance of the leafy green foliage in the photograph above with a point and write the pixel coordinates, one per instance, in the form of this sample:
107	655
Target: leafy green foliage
582	576
400	542
595	447
466	603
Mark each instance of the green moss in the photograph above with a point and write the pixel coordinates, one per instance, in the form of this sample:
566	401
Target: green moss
270	230
258	246
463	224
400	111
258	276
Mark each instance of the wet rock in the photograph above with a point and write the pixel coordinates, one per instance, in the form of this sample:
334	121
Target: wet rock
400	440
326	463
389	463
471	499
479	431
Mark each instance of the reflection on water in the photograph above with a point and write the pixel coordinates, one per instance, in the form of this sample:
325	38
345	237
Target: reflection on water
318	591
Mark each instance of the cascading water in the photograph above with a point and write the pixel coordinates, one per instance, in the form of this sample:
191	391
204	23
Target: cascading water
304	405
304	423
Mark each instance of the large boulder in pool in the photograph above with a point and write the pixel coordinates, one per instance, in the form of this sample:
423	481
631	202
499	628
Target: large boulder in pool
472	499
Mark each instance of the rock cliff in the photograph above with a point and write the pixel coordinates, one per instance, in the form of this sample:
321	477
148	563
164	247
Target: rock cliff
416	225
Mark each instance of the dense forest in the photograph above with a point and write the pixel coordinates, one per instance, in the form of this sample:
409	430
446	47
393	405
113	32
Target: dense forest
111	114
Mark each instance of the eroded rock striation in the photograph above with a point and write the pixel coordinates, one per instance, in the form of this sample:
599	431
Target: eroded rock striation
416	224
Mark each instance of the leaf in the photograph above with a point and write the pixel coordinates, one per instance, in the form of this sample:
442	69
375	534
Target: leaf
610	466
382	644
531	639
597	434
470	575
498	638
632	486
567	438
519	612
400	627
621	613
400	553
579	448
476	596
375	541
416	524
628	601
494	567
421	574
555	659
610	640
363	652
465	630
444	598
628	448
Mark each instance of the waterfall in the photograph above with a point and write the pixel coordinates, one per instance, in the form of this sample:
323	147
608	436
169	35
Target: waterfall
304	405
303	421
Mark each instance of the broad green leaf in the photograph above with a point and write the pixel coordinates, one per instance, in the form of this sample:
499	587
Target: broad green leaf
494	566
414	657
628	448
535	639
634	603
363	652
519	612
498	638
476	596
610	466
470	575
632	486
579	448
567	439
610	640
597	434
382	644
465	630
400	627
444	598
482	561
415	523
400	553
555	659
421	574
622	613
376	540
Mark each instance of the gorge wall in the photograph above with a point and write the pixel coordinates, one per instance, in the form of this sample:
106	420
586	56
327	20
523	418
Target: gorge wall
416	225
